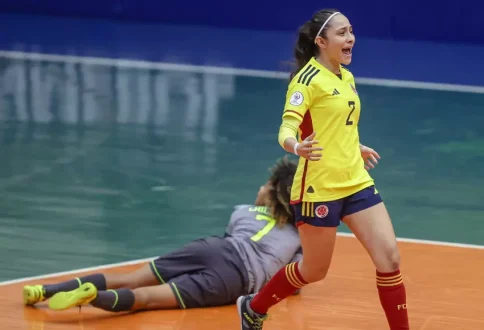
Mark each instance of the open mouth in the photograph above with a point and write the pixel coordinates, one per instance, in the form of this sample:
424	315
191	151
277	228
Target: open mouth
347	51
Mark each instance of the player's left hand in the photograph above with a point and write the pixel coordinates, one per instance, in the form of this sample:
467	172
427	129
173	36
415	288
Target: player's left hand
369	156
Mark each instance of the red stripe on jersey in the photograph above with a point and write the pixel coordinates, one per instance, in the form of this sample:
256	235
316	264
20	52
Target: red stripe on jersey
306	128
297	113
303	179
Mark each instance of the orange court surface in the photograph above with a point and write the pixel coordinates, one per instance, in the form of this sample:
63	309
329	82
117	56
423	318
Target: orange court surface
122	141
444	283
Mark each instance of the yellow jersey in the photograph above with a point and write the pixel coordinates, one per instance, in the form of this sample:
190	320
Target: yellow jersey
330	106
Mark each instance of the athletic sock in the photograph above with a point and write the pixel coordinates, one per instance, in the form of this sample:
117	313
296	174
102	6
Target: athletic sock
119	300
98	280
393	299
286	281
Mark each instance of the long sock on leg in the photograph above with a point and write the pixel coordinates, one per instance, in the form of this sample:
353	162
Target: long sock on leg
393	298
119	300
286	281
98	280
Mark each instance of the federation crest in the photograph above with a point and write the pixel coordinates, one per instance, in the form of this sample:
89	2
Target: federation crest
322	211
296	99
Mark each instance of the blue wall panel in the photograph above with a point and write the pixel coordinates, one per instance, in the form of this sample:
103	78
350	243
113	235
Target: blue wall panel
432	20
248	49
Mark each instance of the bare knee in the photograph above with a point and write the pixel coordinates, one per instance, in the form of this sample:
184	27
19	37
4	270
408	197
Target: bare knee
388	259
394	259
313	273
316	275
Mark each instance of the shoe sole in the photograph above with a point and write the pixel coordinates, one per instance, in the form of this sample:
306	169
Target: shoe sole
67	303
63	301
63	304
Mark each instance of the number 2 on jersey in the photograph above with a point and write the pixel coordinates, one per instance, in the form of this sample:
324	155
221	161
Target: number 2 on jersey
351	104
271	222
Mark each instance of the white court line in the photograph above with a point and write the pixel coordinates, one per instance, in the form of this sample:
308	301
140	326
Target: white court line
138	261
75	271
428	242
229	71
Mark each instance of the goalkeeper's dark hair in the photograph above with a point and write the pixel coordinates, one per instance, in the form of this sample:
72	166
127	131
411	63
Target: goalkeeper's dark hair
282	175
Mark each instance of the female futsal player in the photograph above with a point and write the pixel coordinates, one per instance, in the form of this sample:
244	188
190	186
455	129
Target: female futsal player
215	271
332	183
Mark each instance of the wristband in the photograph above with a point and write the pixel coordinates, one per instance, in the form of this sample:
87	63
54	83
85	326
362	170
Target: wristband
295	148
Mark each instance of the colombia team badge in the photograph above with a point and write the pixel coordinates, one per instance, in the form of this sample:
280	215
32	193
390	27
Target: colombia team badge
322	211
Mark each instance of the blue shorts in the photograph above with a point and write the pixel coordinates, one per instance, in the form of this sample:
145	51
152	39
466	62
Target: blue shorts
329	214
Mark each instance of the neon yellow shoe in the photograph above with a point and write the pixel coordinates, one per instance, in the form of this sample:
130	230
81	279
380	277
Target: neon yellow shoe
80	296
33	294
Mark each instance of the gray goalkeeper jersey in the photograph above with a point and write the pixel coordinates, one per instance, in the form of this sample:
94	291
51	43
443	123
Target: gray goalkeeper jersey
264	246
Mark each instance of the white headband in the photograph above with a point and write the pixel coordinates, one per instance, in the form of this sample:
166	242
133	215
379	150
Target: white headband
324	24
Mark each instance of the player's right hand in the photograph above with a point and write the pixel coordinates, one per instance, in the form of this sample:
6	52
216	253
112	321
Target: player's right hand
306	150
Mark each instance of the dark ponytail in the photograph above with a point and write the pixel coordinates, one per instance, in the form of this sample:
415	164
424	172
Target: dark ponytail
305	47
281	179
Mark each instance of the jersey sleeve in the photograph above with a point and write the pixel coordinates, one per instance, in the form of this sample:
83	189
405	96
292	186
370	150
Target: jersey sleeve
299	99
288	129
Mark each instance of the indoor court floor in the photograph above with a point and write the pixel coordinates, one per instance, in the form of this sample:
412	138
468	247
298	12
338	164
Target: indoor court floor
444	286
106	161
